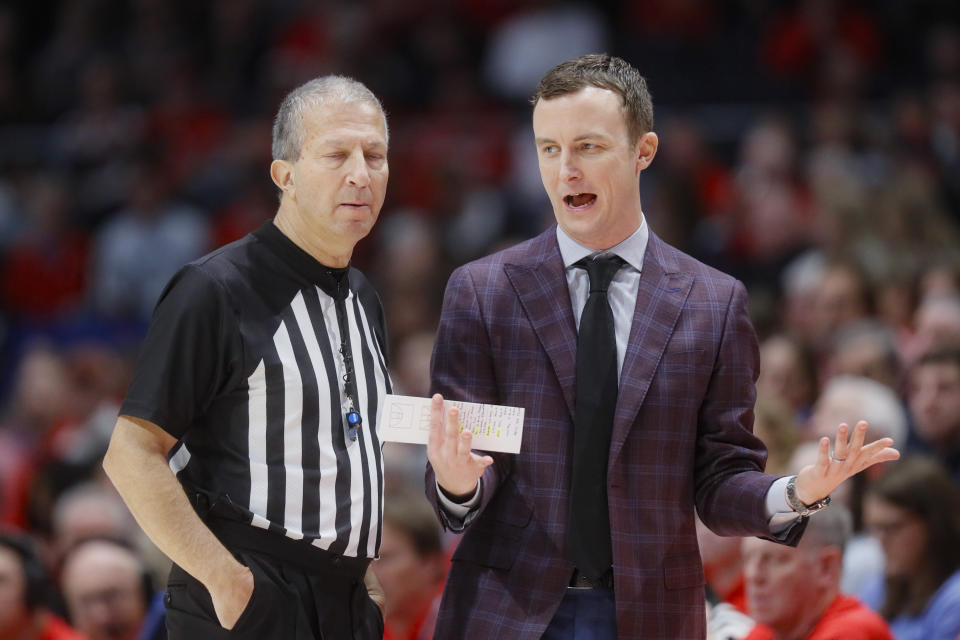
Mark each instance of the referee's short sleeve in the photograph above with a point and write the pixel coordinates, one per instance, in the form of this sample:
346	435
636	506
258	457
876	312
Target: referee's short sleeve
185	357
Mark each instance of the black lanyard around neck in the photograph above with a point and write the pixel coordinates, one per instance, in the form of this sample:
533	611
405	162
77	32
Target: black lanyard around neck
352	417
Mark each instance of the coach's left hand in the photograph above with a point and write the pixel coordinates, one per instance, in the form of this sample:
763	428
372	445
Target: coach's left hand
849	457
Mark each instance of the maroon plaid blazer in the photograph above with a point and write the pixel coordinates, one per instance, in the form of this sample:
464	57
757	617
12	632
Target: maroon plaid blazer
682	438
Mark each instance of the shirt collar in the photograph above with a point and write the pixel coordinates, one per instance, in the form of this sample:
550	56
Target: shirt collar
330	279
631	249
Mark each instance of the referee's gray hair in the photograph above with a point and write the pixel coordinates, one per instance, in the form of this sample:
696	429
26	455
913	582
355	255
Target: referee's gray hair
288	125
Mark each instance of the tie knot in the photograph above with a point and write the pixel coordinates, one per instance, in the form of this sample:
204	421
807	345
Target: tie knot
601	270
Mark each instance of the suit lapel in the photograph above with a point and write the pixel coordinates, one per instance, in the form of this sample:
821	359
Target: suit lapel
660	298
541	286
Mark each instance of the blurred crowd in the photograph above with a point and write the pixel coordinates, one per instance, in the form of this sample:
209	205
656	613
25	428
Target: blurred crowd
809	147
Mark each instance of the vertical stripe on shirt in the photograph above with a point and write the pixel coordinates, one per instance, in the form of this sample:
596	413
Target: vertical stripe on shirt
257	440
372	389
363	405
307	480
276	412
317	465
338	500
302	454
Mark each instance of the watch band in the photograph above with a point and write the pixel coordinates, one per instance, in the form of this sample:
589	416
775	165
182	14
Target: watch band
797	505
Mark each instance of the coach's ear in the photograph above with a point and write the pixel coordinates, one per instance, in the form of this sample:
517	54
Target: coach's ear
647	146
281	172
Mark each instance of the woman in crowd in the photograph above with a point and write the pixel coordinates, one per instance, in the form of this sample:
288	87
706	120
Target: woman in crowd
914	511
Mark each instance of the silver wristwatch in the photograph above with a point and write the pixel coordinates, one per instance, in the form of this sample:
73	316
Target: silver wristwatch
803	509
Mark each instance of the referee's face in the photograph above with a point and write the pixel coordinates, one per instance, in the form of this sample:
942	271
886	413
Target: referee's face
340	178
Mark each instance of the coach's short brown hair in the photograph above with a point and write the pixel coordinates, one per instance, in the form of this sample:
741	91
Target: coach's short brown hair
606	72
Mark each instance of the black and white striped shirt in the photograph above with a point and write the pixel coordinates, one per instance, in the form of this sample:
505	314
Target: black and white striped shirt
242	363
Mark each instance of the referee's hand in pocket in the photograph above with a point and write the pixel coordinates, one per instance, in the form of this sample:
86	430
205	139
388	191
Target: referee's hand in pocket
232	594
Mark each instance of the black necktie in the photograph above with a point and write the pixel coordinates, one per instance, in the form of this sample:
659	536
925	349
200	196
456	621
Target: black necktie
588	525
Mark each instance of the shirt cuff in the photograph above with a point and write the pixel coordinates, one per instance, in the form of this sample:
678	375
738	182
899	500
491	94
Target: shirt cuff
781	516
459	510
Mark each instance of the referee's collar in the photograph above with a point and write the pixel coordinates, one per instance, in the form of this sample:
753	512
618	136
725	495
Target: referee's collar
327	278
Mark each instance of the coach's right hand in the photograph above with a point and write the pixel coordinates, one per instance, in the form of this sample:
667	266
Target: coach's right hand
232	595
457	468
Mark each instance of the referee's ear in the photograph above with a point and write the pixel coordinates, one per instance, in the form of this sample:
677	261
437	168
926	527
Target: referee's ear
281	172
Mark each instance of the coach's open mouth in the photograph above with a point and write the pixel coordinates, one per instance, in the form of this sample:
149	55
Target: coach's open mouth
580	200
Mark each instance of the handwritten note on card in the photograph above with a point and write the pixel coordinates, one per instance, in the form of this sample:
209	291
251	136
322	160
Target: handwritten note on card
494	427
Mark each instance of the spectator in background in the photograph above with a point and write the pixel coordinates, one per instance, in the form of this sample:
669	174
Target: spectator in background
941	279
85	511
774	215
409	272
98	136
776	425
867	349
142	246
23	595
937	322
914	511
851	398
107	590
723	566
38	406
794	593
44	270
842	299
788	373
935	405
410	376
532	40
412	567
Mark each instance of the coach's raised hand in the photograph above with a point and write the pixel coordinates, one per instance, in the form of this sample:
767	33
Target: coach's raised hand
457	468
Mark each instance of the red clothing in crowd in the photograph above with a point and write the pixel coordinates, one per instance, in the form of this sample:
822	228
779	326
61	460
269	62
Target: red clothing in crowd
845	619
56	629
738	595
422	628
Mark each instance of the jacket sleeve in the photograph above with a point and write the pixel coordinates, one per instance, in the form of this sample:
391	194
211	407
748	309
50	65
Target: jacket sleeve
462	368
731	487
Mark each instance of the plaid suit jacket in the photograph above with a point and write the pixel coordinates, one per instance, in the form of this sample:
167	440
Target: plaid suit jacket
682	438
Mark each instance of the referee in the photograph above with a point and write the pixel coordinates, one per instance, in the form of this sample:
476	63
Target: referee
257	388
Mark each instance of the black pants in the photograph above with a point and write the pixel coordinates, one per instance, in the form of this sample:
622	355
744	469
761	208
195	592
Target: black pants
300	593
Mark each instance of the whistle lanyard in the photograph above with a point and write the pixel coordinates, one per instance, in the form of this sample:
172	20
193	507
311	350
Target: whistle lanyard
352	417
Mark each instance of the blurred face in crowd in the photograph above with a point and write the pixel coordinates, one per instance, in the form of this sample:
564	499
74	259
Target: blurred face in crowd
782	375
864	358
103	589
589	166
409	579
338	184
13	590
785	584
935	402
901	533
832	408
938	323
838	302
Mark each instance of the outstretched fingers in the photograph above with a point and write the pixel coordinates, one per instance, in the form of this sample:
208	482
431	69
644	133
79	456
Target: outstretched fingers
848	457
878	451
435	438
841	446
451	427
